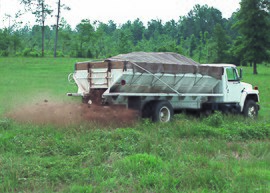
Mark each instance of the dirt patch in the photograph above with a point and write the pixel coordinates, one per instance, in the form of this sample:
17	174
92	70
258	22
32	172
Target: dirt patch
72	113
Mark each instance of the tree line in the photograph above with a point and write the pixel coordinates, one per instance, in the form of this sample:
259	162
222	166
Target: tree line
203	34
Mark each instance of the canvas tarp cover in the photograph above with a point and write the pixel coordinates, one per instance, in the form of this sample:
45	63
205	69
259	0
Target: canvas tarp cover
165	62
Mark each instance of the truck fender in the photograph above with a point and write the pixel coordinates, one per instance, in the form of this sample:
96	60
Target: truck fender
248	96
242	100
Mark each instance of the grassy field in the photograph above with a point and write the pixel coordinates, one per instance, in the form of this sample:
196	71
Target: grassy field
219	153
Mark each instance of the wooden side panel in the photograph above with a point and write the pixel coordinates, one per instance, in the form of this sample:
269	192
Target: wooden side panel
98	64
117	64
105	64
82	65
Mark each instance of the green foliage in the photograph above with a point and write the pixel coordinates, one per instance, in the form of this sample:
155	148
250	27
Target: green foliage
138	164
254	26
124	44
31	53
4	42
215	120
81	189
192	45
4	53
220	45
5	124
200	19
202	35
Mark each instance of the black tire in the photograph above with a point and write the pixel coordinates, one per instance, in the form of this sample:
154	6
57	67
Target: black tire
162	112
250	109
147	110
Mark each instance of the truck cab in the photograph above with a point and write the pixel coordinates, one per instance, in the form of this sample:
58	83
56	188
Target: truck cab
238	96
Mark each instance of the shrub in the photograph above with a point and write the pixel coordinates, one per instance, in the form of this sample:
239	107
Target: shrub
5	124
215	120
4	53
60	54
31	53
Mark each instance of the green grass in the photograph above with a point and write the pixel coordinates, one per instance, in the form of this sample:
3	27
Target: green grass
219	153
261	81
23	79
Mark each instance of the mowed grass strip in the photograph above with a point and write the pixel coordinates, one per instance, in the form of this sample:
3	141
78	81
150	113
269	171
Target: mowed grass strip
219	153
26	79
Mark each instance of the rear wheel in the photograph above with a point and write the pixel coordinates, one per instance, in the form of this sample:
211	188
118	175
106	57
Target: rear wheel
148	110
162	112
250	109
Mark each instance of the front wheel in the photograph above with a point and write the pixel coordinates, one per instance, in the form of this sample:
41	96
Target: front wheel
163	112
250	109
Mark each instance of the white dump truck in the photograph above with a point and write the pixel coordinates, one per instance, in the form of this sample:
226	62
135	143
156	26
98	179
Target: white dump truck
157	83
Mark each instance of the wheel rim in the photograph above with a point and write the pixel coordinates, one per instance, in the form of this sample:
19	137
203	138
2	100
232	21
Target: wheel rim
71	79
252	112
164	114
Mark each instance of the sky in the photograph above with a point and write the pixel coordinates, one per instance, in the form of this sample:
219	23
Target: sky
120	11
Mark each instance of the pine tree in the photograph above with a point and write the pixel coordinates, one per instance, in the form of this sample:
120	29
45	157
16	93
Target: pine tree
41	10
59	6
192	45
254	25
220	44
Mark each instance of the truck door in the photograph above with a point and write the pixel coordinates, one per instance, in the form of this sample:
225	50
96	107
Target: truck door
233	87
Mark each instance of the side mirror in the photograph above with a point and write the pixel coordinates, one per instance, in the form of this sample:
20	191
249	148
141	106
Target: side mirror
241	73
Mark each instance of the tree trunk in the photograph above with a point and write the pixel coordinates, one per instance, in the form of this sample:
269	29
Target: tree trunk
255	68
43	28
56	29
200	53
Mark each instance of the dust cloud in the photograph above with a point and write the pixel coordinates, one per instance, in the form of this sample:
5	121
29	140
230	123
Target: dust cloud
48	112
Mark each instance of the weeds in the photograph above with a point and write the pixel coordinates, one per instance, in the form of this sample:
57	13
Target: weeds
5	124
192	156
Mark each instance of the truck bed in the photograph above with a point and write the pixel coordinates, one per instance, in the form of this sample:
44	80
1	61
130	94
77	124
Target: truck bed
147	73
